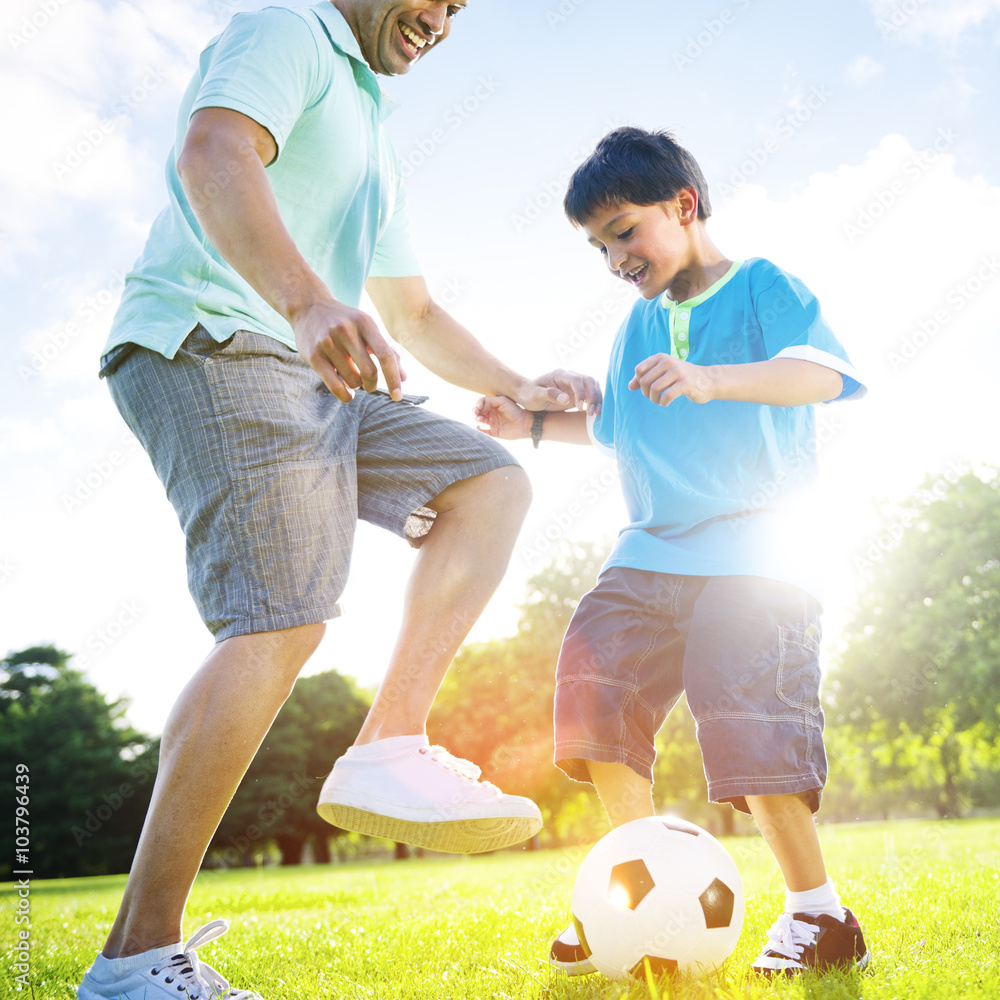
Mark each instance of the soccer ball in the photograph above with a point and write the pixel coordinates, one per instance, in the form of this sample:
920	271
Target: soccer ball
662	890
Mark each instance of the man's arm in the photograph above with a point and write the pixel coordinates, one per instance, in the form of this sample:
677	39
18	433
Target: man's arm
662	378
221	168
440	343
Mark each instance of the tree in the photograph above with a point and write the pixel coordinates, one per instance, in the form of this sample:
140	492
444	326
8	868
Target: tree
915	686
276	800
90	775
495	706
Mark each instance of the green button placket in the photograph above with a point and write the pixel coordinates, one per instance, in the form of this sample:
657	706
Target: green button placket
680	324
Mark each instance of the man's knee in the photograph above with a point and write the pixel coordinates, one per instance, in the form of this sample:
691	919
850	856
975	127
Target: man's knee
512	487
506	491
284	650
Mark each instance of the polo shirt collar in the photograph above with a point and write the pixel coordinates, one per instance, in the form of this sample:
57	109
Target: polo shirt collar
340	34
669	303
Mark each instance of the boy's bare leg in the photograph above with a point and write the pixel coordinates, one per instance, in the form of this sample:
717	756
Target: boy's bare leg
624	794
786	822
213	732
458	567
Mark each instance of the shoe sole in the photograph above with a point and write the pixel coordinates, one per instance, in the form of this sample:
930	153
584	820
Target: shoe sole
463	836
860	965
584	968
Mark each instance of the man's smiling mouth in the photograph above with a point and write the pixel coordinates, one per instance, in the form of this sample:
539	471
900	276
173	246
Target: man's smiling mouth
412	42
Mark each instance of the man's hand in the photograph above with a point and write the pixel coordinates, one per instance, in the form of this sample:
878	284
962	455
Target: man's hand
561	390
340	342
662	378
501	417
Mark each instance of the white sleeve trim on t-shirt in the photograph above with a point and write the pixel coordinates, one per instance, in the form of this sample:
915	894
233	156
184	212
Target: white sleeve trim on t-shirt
806	352
591	418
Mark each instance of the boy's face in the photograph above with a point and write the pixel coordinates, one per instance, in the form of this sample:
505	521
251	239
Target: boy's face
646	245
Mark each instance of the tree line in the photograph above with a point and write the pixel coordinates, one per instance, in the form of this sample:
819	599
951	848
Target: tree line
911	696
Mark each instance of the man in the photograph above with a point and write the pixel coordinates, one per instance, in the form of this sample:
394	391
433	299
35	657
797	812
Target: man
284	205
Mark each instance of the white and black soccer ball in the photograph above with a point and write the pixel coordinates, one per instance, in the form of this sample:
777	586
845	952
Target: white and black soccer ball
658	889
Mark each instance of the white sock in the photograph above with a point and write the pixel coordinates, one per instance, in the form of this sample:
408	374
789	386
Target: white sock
569	936
390	745
107	970
822	899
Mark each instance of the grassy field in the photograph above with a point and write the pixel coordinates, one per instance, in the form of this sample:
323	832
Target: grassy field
927	894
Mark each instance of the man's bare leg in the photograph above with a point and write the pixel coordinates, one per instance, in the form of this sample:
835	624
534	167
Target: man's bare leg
214	730
459	566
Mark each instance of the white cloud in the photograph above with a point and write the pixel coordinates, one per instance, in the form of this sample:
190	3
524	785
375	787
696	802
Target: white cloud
862	70
21	436
942	21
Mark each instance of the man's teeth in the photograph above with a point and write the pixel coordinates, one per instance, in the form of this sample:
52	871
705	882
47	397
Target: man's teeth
413	37
633	274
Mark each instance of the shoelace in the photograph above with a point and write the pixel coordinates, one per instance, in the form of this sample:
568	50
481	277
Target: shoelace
463	768
789	936
198	978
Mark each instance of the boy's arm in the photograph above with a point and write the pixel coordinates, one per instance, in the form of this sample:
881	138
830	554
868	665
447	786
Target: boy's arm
662	378
501	417
440	343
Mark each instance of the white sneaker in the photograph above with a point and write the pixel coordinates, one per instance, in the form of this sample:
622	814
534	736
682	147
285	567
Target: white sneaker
181	976
403	789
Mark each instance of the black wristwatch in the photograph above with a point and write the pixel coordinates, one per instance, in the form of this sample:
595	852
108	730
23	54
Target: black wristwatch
536	426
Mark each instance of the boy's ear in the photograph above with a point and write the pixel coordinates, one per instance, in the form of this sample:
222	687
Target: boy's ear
687	205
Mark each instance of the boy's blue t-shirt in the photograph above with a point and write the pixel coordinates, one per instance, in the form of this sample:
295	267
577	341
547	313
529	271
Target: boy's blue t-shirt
712	489
300	73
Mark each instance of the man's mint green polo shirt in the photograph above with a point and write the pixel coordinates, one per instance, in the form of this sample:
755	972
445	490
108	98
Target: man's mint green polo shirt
300	74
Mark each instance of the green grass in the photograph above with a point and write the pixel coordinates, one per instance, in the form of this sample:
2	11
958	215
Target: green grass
927	895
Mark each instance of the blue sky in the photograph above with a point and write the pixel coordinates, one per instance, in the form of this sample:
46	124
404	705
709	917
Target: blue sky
852	142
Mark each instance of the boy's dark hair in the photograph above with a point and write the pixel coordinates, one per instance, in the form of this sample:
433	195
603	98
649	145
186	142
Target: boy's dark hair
633	165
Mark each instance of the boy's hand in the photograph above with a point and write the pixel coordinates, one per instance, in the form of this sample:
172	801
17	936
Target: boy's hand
662	378
501	417
561	390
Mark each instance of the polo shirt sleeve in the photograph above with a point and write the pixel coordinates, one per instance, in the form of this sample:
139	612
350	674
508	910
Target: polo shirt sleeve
394	256
792	326
266	65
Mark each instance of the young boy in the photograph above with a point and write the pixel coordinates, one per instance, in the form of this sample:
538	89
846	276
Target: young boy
709	590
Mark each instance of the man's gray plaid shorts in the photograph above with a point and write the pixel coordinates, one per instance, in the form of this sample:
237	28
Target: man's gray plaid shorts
268	471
